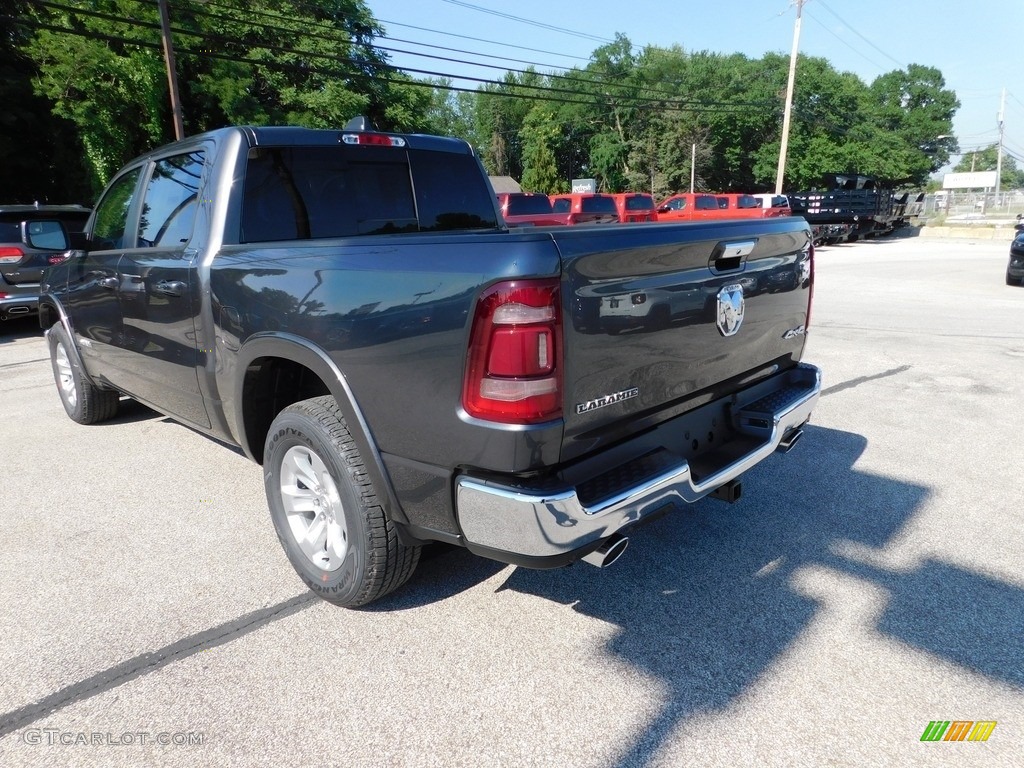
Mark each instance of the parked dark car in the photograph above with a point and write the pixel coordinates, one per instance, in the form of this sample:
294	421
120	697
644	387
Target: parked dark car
1015	269
31	241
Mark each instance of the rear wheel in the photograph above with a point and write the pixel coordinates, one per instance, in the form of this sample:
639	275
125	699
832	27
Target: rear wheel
83	401
326	509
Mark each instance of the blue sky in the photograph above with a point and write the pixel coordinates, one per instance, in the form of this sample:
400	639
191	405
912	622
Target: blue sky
976	45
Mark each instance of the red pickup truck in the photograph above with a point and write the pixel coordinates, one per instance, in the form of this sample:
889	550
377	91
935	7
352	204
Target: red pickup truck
527	209
690	206
687	206
586	207
635	206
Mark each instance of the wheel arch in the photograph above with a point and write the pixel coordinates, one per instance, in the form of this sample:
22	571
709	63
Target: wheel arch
276	370
51	313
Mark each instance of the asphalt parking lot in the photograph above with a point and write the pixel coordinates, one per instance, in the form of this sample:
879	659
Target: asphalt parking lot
868	583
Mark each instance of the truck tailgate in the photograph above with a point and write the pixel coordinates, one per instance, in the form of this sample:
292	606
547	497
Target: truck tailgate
662	318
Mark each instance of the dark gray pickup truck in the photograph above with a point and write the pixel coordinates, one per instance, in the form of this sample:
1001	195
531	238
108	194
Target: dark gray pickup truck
349	308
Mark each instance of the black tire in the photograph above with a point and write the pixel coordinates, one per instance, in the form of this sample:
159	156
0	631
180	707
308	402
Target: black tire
1012	280
83	401
343	547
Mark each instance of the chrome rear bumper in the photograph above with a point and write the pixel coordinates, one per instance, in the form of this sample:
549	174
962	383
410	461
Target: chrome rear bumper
501	518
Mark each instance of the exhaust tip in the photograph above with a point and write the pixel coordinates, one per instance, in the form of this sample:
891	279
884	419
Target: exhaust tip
611	549
789	440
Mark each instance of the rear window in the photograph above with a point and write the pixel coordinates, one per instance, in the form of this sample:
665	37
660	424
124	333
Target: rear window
598	204
639	203
561	205
294	193
525	205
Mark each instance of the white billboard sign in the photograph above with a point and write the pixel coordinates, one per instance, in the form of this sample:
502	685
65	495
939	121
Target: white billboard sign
976	180
584	185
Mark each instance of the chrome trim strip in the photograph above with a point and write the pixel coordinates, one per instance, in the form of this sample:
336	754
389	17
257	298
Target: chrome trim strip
541	524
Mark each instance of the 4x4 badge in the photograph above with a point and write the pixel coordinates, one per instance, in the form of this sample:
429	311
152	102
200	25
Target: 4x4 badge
730	309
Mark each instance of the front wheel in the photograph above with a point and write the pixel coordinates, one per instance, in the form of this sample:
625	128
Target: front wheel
326	509
1012	280
83	401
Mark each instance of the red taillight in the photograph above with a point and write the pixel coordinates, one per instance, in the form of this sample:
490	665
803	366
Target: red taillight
10	255
514	365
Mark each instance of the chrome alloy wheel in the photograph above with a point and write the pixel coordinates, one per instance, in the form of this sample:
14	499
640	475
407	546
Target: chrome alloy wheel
66	377
315	513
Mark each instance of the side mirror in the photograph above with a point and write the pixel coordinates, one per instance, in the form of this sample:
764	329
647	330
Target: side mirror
46	235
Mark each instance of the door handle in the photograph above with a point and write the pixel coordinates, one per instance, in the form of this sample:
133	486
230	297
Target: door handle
108	282
170	287
729	257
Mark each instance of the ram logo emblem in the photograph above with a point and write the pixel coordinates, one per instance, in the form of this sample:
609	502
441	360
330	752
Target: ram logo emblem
730	309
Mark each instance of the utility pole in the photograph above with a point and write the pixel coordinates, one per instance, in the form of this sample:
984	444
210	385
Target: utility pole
172	74
999	151
784	147
693	165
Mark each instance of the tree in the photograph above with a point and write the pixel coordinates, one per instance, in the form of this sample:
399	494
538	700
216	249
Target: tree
539	131
500	113
298	62
40	155
911	110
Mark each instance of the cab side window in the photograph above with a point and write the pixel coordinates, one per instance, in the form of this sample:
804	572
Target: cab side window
108	230
169	202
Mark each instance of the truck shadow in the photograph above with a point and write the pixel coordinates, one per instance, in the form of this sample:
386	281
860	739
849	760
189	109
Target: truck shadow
703	597
17	328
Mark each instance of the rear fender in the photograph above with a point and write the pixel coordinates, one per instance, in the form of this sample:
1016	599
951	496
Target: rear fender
298	350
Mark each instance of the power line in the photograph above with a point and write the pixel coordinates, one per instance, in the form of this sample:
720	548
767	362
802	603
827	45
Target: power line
595	77
539	92
634	101
483	40
531	22
858	34
838	37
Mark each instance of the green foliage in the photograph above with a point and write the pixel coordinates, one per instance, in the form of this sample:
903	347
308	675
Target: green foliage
629	119
112	91
40	154
296	62
632	120
538	135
